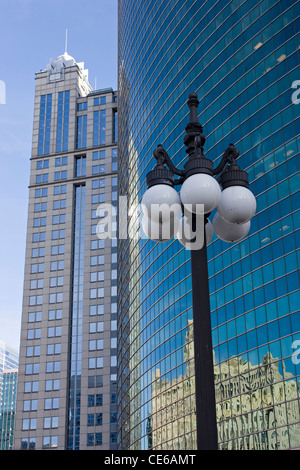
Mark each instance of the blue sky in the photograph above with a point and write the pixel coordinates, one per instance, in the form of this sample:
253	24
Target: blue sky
32	32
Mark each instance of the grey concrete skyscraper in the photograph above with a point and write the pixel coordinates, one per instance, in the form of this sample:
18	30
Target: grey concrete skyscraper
67	374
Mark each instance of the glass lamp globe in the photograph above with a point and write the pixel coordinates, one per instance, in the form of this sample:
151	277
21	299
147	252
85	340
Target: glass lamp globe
229	232
237	205
161	202
200	189
160	232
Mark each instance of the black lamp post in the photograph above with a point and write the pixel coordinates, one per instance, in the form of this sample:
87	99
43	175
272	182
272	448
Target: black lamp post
200	195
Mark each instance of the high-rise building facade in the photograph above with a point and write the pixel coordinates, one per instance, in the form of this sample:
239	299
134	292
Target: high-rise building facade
9	359
67	377
9	362
242	59
8	408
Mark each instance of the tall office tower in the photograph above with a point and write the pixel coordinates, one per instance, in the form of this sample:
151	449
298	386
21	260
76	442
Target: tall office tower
67	378
242	58
8	408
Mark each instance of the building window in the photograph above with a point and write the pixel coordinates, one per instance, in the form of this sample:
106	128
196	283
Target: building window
94	419
114	160
82	106
62	189
96	184
56	281
97	276
55	314
59	204
53	349
56	298
45	124
31	387
43	178
62	133
99	100
60	175
99	155
98	169
58	234
96	310
54	332
99	129
96	327
95	362
32	369
35	300
40	207
59	219
36	252
37	284
52	385
52	367
28	444
61	161
29	424
95	400
81	131
41	164
34	317
80	166
38	237
41	192
115	125
57	250
50	442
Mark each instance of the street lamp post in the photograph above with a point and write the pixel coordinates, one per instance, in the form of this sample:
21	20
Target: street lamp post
167	215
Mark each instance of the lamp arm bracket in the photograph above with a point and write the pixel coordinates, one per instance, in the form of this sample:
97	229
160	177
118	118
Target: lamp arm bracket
162	158
230	156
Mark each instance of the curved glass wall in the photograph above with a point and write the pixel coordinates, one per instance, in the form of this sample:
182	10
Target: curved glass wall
242	59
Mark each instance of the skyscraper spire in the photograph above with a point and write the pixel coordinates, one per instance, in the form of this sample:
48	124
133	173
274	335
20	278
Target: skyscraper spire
66	42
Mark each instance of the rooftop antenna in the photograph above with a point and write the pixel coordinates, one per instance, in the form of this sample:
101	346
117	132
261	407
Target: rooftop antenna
66	41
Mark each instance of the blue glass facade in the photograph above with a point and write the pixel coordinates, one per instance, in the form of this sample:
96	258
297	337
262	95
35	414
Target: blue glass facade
62	129
45	124
8	409
99	127
241	58
77	320
81	131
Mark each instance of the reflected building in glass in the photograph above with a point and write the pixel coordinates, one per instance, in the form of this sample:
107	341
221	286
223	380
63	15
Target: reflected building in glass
242	58
67	374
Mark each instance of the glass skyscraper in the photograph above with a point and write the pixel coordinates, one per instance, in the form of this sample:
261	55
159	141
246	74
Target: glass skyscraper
242	59
8	408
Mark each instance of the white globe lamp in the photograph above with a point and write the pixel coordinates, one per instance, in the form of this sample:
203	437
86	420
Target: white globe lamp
227	232
161	203
237	205
200	189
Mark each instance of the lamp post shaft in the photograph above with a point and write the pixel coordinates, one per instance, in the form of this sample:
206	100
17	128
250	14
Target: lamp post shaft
207	438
